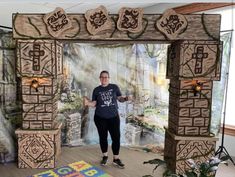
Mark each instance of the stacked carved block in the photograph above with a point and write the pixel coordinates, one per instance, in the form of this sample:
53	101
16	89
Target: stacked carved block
189	114
178	149
38	148
40	68
190	64
39	107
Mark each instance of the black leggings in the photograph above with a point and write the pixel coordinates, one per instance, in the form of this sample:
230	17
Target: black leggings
111	125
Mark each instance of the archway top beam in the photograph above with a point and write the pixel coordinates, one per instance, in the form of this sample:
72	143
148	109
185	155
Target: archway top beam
200	27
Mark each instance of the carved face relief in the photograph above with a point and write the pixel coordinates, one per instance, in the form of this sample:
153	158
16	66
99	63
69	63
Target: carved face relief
130	19
171	24
57	22
98	20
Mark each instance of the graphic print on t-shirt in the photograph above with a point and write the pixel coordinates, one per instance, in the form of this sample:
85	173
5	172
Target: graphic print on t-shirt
107	98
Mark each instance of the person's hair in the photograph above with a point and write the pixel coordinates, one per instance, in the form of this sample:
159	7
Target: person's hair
102	72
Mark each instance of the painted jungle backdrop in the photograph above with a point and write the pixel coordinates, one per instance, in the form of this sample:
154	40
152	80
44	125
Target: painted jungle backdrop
138	69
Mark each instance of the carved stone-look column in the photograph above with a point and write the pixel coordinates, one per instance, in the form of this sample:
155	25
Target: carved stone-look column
191	64
39	66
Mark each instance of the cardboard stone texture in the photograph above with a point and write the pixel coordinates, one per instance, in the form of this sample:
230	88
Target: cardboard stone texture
189	114
57	22
171	24
39	58
37	116
38	125
32	26
130	19
184	88
187	124
178	150
98	20
45	86
39	106
194	60
38	148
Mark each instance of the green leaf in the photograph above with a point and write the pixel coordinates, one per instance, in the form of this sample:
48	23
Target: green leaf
190	174
203	175
168	173
159	162
225	158
204	167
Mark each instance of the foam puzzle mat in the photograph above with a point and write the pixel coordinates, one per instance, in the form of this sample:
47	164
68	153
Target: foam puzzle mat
76	169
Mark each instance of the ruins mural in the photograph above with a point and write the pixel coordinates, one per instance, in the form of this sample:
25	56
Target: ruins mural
9	109
138	69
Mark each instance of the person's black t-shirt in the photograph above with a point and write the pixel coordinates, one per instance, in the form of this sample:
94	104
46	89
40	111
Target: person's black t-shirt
106	100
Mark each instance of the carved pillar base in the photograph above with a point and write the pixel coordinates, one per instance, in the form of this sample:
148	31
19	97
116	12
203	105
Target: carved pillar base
38	148
178	149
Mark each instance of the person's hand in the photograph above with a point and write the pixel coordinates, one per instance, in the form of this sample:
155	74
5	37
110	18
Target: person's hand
85	101
129	98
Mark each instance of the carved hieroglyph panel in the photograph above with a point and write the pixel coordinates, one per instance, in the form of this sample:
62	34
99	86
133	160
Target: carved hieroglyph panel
98	20
130	19
177	152
40	58
36	150
171	24
57	22
194	60
200	59
204	150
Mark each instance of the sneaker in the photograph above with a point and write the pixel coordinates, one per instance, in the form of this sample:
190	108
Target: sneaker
118	163
104	160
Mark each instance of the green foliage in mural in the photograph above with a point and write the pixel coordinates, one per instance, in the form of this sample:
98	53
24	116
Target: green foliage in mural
72	104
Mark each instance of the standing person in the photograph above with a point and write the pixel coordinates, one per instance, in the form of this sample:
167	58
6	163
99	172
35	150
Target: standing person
106	117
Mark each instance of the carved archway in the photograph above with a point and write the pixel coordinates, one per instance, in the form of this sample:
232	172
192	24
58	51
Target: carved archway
194	60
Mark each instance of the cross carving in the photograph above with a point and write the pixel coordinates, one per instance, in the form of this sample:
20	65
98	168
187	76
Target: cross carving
36	53
199	56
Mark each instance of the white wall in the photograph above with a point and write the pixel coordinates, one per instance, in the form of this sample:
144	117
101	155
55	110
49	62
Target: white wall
227	23
229	144
161	7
